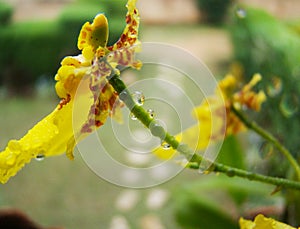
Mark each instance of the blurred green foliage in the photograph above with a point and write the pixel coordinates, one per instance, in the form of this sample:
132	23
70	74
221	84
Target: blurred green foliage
214	11
112	7
31	49
218	201
295	25
6	12
266	45
232	153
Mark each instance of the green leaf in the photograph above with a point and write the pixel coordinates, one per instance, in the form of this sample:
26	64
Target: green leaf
194	211
231	153
212	201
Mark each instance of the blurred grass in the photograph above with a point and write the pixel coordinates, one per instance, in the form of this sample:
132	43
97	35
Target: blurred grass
19	115
60	192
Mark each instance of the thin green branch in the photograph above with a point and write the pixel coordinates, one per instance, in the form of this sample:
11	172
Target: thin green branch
269	137
195	161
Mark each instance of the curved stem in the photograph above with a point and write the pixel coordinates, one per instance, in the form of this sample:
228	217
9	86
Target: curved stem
195	161
269	137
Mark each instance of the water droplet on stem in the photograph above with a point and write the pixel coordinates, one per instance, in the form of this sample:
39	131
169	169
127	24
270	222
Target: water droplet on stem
133	117
157	130
166	146
138	98
123	95
151	113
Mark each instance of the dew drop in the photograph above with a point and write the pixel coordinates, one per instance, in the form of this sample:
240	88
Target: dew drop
182	162
241	13
202	170
275	87
123	95
40	157
289	105
133	117
230	173
183	148
157	130
139	98
204	167
11	160
166	146
151	113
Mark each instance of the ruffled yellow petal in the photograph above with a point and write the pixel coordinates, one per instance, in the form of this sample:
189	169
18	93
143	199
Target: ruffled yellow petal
262	222
70	74
129	36
52	136
46	138
227	86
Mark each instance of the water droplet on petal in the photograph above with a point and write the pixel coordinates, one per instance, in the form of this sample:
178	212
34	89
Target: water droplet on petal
151	113
139	98
289	105
275	87
241	13
11	160
40	157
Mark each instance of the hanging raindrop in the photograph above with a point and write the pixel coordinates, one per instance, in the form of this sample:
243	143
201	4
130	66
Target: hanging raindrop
40	157
166	146
202	170
138	98
241	13
151	113
289	105
266	150
133	117
204	167
123	95
275	87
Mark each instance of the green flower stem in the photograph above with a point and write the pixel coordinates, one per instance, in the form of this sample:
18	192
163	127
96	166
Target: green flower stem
269	137
195	161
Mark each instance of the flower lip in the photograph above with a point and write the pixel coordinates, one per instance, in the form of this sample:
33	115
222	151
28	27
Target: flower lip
95	34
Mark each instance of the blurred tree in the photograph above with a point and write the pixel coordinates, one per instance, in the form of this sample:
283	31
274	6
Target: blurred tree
265	45
32	49
214	11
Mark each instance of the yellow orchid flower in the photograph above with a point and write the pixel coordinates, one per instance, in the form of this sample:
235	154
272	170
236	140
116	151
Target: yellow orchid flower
261	222
56	133
214	115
